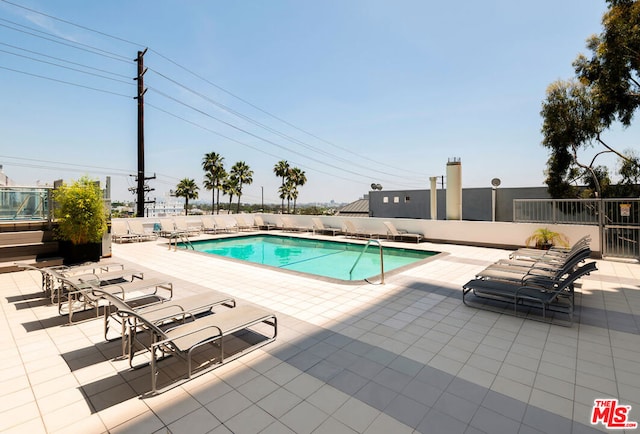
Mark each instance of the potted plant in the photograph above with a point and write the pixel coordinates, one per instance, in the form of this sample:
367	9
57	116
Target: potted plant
81	220
544	238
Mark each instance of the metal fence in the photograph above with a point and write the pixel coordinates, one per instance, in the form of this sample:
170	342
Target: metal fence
24	203
618	219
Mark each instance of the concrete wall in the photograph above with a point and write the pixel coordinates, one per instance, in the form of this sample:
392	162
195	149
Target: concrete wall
476	203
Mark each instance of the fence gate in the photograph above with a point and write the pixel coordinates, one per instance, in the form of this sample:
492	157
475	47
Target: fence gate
620	223
621	228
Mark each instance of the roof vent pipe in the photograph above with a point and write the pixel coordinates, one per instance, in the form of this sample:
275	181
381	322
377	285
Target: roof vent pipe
454	189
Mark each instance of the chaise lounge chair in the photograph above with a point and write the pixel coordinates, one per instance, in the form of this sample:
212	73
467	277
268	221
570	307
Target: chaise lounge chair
208	224
553	252
262	225
516	271
352	231
157	313
185	339
136	228
243	225
120	232
535	291
318	226
288	225
400	234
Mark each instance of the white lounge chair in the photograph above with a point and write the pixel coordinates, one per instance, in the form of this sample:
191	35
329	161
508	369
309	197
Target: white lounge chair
136	228
262	225
120	232
319	226
401	234
185	339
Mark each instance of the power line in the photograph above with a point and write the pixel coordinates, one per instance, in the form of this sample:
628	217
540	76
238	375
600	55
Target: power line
72	23
67	67
65	82
364	157
66	61
89	49
266	127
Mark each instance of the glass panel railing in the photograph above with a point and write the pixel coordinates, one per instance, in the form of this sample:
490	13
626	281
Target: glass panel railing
24	203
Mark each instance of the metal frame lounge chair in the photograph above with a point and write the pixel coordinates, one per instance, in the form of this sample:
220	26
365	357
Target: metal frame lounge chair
136	228
536	291
120	232
401	234
289	226
260	223
185	339
225	225
319	226
352	231
157	313
517	272
554	252
167	228
209	224
243	225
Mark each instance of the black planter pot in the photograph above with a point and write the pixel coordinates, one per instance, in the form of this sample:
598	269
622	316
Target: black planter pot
79	253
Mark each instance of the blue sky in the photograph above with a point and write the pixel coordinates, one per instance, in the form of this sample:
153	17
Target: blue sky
388	91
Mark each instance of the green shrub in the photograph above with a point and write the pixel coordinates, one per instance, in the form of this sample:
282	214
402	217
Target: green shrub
80	212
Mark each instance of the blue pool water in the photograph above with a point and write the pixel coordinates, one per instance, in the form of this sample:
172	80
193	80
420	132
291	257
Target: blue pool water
322	258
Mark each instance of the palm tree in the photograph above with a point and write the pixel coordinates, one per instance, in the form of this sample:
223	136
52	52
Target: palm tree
230	187
213	165
281	169
188	189
298	179
285	193
241	174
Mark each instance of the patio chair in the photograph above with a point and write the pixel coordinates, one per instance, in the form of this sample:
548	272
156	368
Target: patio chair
159	313
120	232
352	231
182	226
136	228
50	275
518	272
243	225
401	234
226	225
167	228
184	340
290	226
554	252
259	221
535	291
319	226
208	224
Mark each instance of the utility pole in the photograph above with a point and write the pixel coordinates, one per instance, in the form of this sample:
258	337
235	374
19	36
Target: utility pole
140	97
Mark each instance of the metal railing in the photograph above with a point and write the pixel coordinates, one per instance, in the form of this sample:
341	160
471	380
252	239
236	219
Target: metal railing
562	211
25	203
366	246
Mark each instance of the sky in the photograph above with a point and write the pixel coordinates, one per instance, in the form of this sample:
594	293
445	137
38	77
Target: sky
352	92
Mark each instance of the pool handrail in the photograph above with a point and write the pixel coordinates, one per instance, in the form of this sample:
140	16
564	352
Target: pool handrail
369	242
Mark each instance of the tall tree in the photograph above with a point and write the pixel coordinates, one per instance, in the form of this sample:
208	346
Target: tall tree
298	179
230	187
241	174
188	189
577	112
281	169
213	165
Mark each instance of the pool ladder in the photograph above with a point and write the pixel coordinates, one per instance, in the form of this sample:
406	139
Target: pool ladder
366	246
183	237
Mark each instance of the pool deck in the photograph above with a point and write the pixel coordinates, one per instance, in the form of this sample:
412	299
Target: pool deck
403	357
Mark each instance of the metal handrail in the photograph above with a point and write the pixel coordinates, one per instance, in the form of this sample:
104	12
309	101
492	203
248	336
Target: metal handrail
183	238
362	253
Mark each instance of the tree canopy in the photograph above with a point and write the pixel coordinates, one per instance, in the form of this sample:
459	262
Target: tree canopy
605	90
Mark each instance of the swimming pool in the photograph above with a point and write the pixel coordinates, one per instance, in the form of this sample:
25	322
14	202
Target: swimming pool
317	257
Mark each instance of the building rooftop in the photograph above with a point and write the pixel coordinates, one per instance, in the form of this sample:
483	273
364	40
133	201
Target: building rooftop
403	357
